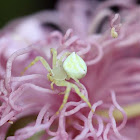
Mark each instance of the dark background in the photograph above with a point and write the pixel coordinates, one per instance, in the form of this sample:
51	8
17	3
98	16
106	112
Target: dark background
11	9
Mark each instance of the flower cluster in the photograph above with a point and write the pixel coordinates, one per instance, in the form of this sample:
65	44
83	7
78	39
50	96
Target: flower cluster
112	83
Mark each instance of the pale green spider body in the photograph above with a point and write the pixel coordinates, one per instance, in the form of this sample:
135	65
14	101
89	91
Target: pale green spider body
73	67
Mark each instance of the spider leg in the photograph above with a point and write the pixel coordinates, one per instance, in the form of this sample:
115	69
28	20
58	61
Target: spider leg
69	86
54	53
64	55
81	95
42	60
60	61
52	85
77	81
66	96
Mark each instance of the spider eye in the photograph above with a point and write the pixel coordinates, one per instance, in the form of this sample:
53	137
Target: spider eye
75	66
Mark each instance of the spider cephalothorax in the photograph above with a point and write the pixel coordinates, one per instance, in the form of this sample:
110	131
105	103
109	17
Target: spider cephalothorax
72	67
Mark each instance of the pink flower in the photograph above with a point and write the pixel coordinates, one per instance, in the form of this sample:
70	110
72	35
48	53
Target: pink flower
111	83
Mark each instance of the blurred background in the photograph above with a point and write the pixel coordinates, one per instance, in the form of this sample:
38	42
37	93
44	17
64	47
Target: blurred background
11	9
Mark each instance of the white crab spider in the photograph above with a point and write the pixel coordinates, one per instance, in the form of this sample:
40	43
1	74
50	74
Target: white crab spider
73	67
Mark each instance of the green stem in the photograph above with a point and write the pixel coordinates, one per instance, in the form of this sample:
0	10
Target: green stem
132	111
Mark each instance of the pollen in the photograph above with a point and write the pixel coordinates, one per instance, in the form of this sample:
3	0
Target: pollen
114	34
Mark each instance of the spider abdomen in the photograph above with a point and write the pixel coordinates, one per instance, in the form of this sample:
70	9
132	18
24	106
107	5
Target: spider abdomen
75	66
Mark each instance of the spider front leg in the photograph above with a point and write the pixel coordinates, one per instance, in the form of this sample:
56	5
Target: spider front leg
52	85
42	60
54	53
64	55
60	61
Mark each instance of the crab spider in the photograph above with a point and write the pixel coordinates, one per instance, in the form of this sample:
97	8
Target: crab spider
73	67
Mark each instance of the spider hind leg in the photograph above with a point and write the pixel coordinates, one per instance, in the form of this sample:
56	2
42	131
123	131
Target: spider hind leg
69	86
66	96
